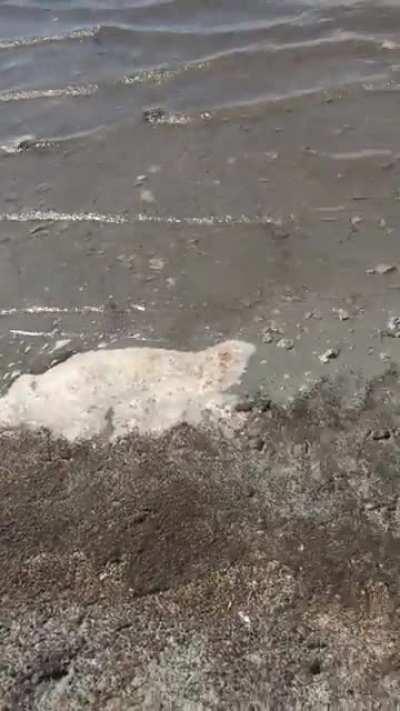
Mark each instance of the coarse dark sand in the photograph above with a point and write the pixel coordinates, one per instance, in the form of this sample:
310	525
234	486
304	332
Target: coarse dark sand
198	571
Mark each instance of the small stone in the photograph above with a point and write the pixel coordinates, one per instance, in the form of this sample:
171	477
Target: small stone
244	406
244	618
38	228
154	115
330	354
343	315
286	343
156	264
267	336
140	180
393	326
147	196
382	269
380	434
258	444
355	221
384	356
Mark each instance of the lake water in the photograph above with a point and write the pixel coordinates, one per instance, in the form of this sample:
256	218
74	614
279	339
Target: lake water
71	67
181	173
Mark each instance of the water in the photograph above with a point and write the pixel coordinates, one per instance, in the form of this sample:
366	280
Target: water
72	67
181	173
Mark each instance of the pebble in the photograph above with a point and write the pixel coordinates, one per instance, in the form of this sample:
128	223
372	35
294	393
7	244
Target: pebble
267	336
380	434
393	326
156	264
147	196
343	315
286	343
330	354
355	221
140	180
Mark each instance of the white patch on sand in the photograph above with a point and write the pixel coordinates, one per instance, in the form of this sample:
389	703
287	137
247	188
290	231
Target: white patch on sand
116	391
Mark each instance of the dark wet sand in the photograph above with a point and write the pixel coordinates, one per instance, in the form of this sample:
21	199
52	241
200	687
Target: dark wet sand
199	571
193	571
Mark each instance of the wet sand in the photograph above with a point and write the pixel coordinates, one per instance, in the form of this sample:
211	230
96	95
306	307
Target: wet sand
252	562
196	571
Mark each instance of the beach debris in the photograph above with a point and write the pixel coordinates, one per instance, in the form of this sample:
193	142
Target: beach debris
393	327
286	344
330	354
382	269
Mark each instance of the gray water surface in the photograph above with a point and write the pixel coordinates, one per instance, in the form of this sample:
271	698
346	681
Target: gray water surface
68	67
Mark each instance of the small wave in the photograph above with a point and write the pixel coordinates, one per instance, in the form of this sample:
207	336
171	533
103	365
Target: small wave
104	218
123	31
54	216
161	75
34	94
90	32
39	310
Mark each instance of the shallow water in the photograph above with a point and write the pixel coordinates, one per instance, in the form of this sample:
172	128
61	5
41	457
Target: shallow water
70	67
264	185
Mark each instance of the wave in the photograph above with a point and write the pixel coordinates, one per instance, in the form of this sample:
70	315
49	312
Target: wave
78	34
34	94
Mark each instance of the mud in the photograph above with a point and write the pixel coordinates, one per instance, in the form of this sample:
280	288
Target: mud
198	571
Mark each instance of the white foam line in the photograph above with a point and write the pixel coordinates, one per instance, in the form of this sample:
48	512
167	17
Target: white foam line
104	218
37	310
31	94
32	41
207	221
161	75
54	216
30	334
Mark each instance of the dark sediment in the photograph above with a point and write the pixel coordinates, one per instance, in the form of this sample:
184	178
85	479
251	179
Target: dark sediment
198	571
